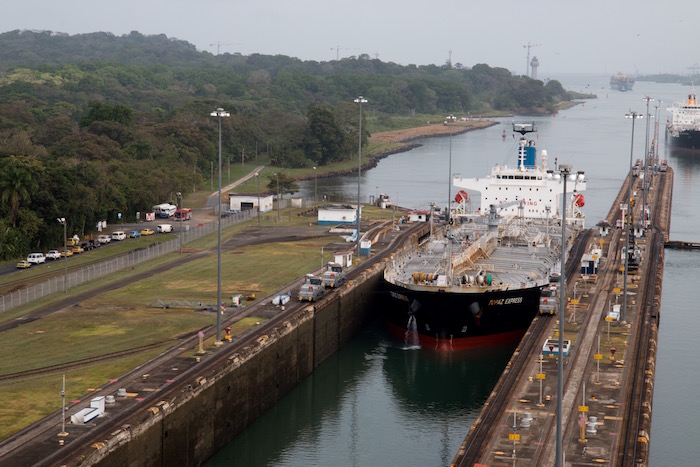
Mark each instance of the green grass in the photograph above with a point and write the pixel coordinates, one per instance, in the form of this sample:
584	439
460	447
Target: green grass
25	401
259	268
393	123
121	319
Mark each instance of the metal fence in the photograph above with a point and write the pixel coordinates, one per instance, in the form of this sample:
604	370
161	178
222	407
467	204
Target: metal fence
95	271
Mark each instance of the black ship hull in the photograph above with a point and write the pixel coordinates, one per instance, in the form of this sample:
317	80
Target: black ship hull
446	320
686	140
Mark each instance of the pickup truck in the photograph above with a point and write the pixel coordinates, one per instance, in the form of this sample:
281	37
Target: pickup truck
53	254
312	288
334	275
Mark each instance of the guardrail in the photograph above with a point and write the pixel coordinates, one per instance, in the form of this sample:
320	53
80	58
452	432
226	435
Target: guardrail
95	271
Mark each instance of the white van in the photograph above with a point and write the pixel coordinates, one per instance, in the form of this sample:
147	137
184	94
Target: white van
36	258
165	228
118	235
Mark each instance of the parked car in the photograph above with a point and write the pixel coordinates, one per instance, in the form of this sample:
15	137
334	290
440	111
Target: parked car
165	228
53	254
94	243
77	249
104	239
23	264
147	232
134	234
36	258
66	253
86	246
72	241
118	235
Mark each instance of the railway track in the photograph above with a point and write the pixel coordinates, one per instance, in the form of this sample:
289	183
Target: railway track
488	421
174	388
78	363
487	424
630	447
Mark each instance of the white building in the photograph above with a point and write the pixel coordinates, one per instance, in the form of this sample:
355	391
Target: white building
240	202
337	214
418	215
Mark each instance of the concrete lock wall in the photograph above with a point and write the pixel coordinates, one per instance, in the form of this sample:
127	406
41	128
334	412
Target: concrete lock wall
210	412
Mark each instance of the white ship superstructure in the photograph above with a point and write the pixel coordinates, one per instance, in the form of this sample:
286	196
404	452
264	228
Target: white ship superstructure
527	190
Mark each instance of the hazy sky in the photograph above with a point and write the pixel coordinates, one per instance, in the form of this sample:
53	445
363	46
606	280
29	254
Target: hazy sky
570	36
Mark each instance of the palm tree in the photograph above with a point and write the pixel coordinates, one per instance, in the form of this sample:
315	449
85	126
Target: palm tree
15	183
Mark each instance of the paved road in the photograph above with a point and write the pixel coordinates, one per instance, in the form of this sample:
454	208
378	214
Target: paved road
211	201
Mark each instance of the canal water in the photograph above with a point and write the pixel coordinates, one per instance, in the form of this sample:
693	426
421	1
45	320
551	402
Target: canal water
380	401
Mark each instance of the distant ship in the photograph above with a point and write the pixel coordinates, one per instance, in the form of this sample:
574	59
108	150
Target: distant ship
621	82
477	280
683	130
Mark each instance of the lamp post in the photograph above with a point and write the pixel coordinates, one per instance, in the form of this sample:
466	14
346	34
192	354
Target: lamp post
257	175
63	409
315	187
449	181
278	196
62	220
646	160
628	216
219	113
547	208
564	170
360	100
179	208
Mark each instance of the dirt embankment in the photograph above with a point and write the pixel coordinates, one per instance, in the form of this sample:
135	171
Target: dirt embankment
428	131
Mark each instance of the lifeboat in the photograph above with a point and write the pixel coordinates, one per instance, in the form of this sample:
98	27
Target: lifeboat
462	195
579	201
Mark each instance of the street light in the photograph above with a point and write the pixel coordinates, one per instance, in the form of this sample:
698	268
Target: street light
277	177
360	100
62	220
219	113
628	216
547	208
257	175
449	181
315	187
564	170
646	158
179	208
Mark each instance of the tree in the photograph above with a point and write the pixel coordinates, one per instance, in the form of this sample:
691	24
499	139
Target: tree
287	184
97	111
16	183
324	140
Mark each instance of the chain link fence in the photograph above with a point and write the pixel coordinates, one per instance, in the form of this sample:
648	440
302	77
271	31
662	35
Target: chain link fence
95	271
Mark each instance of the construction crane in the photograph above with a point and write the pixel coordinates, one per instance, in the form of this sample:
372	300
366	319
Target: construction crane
219	44
527	62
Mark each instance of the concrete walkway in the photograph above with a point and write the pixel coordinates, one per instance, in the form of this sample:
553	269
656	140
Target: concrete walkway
211	201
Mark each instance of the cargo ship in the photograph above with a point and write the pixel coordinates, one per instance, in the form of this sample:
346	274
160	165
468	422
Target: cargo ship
683	129
476	279
621	82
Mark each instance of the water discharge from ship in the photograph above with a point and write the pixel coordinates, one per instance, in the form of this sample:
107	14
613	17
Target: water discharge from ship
411	336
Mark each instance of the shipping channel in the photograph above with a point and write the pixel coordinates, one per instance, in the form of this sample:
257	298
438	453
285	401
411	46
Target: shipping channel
378	403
